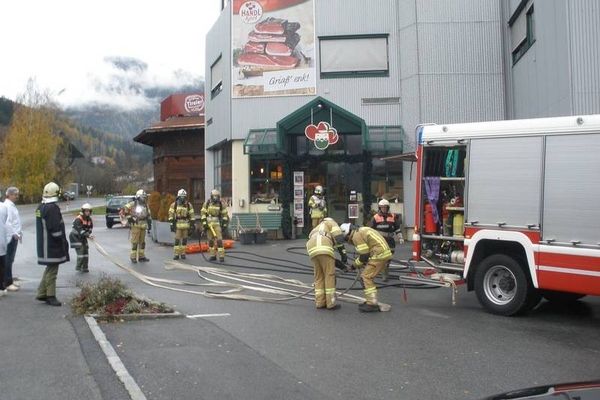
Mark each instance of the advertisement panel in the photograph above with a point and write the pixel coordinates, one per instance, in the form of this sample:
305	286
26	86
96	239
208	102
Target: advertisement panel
273	45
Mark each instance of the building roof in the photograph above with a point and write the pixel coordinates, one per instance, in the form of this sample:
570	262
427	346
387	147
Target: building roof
174	124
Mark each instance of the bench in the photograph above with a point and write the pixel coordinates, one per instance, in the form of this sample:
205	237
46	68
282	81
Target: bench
242	222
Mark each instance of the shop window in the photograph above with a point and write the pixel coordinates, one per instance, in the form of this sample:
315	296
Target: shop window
338	56
522	31
216	77
265	179
223	172
386	180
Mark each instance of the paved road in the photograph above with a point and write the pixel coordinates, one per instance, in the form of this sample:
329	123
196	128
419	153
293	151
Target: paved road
424	348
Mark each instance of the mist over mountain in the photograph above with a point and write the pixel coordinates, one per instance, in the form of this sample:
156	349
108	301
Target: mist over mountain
123	96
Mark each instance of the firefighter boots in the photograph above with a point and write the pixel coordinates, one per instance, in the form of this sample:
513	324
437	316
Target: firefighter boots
365	307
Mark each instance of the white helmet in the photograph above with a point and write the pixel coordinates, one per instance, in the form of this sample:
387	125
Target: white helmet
384	203
347	228
181	193
140	194
51	190
86	206
319	189
215	192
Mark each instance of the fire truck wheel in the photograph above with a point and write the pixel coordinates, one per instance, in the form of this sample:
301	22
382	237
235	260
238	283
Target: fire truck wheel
561	297
502	287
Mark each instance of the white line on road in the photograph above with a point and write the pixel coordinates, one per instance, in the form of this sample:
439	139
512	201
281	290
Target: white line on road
208	315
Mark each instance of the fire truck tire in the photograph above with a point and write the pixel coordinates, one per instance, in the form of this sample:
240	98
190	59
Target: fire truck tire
503	288
561	297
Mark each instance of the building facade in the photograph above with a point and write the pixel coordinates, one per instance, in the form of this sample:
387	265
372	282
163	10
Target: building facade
302	93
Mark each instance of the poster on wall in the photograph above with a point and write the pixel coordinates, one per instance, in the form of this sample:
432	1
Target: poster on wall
299	212
273	48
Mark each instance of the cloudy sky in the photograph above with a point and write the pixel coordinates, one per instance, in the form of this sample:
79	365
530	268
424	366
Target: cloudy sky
72	47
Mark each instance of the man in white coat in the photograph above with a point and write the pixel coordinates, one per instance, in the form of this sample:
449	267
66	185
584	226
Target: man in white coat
14	235
3	217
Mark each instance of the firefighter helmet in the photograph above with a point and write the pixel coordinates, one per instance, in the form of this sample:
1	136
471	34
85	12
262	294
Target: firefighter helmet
87	206
384	203
51	190
140	194
215	195
319	190
347	228
182	193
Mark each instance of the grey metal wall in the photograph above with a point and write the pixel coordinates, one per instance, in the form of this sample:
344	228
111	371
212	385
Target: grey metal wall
559	74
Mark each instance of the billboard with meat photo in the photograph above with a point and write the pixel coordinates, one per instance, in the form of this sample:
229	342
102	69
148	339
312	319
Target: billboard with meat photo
273	44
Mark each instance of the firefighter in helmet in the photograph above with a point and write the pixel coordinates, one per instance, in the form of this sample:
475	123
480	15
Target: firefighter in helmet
138	216
373	254
215	218
81	232
317	206
320	246
181	217
390	226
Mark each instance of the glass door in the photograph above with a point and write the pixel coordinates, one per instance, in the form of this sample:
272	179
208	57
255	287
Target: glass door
341	179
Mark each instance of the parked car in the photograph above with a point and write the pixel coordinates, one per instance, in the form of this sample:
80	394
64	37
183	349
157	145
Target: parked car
68	195
114	207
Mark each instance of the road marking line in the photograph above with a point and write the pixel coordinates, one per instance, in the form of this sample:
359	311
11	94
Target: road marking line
208	315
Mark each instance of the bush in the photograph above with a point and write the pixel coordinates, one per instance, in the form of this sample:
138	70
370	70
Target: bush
111	297
159	206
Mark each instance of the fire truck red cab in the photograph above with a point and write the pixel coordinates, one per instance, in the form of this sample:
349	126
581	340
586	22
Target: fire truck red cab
512	206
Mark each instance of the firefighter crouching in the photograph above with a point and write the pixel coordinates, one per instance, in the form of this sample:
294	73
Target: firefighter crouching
320	247
215	218
317	206
389	225
374	253
138	216
181	217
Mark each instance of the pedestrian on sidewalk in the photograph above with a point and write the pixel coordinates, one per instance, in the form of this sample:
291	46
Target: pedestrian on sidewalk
82	230
3	218
14	235
52	244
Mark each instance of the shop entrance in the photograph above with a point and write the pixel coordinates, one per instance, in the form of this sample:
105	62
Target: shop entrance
338	180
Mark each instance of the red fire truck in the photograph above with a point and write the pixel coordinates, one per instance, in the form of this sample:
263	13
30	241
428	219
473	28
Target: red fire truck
512	207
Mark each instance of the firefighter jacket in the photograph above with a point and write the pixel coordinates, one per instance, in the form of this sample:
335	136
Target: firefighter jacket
82	229
388	224
181	215
52	244
214	212
138	214
370	245
317	207
323	238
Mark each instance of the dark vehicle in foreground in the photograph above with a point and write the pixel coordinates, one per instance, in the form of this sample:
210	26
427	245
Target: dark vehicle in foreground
577	390
114	207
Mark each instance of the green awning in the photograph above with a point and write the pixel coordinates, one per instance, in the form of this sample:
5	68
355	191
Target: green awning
384	139
261	141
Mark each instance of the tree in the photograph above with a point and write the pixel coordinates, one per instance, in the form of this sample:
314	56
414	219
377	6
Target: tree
31	145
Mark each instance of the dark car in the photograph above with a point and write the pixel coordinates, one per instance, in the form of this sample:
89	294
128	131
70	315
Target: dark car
68	195
577	390
114	206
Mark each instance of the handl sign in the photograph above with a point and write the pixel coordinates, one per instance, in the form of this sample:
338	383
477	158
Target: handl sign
323	135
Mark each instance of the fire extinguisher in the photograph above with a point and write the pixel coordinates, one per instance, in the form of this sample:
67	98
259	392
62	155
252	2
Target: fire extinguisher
430	225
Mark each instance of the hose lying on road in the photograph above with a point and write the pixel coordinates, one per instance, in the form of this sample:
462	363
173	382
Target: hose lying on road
262	283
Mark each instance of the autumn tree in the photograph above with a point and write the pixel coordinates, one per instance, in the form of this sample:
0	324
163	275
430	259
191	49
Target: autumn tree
31	144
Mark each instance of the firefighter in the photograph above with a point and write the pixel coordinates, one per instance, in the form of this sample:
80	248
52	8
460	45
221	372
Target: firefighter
320	247
374	253
390	226
181	217
214	217
138	216
82	230
317	206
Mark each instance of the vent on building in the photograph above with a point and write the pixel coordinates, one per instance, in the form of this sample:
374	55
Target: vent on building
209	121
380	100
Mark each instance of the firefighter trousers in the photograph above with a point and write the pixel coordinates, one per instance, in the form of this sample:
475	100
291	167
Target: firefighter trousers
367	275
324	271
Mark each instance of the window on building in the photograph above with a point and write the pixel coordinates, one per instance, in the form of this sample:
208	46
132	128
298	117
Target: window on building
386	180
223	172
216	77
265	179
354	56
522	31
